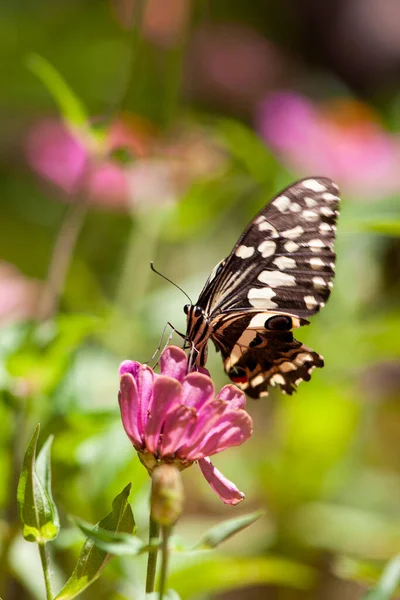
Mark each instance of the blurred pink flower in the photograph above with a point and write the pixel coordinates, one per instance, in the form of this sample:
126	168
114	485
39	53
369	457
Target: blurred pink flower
160	171
232	65
75	165
175	418
19	296
340	139
163	21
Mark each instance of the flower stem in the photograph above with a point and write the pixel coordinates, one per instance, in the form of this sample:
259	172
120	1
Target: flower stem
61	258
164	560
154	533
44	557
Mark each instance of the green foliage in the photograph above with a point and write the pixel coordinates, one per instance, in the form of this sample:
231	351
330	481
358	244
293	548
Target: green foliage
70	106
38	511
388	583
92	559
223	531
223	573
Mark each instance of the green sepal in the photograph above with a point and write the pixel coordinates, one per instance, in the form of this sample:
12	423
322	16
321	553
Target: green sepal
92	559
223	531
37	508
388	583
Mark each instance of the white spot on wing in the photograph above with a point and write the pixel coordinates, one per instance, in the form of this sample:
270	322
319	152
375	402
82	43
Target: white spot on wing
277	378
310	215
310	302
261	297
330	197
293	233
325	228
284	262
267	248
326	211
276	278
282	203
314	185
302	358
287	366
319	283
291	246
310	202
316	263
257	381
265	226
295	207
244	251
316	245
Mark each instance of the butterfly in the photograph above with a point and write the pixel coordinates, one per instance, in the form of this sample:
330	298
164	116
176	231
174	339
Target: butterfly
279	273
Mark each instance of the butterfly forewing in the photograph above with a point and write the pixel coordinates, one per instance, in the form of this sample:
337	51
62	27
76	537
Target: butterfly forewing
282	265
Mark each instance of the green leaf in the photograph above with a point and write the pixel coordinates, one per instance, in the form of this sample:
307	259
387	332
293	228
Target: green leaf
388	583
223	531
92	560
37	509
169	595
71	108
116	543
249	150
219	573
386	226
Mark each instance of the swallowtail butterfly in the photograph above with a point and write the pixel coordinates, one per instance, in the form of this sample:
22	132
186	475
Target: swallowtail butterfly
278	274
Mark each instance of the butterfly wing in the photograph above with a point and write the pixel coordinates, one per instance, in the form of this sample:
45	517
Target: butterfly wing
284	260
279	273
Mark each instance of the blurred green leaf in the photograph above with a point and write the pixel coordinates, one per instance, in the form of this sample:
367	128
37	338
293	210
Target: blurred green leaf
45	351
71	107
388	583
92	560
221	573
223	531
248	150
385	226
37	509
169	595
203	204
120	544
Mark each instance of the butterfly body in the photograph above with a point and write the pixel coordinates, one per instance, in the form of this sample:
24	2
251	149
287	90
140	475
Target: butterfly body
278	274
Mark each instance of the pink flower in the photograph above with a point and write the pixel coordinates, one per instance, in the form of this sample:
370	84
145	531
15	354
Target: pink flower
175	418
19	296
74	163
341	139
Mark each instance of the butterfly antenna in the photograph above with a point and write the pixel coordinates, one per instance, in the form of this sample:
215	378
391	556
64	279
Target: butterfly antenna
173	283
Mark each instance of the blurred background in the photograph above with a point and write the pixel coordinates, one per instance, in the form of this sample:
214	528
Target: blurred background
134	131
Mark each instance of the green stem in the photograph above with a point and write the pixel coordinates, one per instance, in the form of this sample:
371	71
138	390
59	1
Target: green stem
44	557
154	533
164	560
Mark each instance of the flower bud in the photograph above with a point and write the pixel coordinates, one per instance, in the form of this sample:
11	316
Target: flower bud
166	495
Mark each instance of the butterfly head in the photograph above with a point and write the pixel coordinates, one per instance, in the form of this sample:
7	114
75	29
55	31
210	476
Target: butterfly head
198	331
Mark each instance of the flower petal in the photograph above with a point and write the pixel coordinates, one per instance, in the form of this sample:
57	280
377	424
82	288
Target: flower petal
233	428
128	399
166	392
129	366
232	394
173	362
197	389
209	414
177	429
225	489
144	378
